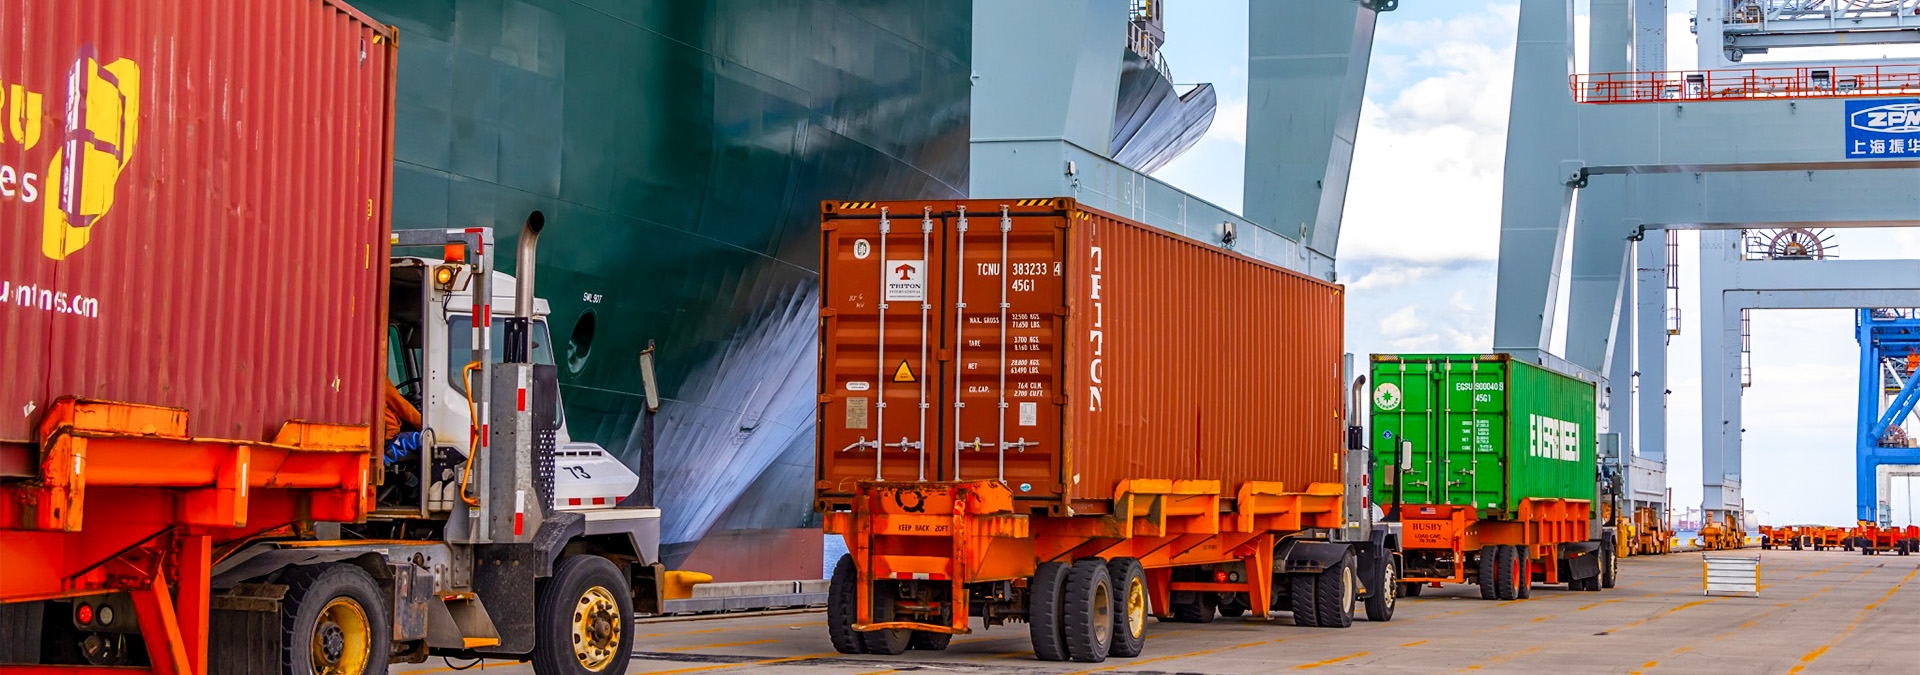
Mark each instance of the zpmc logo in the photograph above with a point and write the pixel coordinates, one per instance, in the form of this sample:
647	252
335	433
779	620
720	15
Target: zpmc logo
103	124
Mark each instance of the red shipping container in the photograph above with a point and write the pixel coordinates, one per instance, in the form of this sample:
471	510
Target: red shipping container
194	200
1079	348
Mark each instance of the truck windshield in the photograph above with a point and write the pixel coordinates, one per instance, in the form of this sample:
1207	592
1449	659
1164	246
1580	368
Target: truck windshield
460	345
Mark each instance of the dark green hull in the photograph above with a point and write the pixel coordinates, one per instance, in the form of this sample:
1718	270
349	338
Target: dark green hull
680	150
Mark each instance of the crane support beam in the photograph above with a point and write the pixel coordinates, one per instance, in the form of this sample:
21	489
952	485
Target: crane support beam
1807	134
1729	283
1306	78
1746	200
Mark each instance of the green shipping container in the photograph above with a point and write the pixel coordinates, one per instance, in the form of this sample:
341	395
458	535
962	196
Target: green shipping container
1486	431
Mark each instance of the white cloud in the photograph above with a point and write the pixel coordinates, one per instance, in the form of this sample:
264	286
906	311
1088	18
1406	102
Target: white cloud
1390	277
1402	322
1230	121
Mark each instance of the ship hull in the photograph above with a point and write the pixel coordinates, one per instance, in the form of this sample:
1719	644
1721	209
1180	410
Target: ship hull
680	150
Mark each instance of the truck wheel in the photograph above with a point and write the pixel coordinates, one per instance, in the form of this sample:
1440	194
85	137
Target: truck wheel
1336	591
1045	596
333	621
929	641
1129	607
1087	615
1505	586
1233	607
581	618
1413	590
888	642
1385	589
843	593
1301	590
1201	610
1522	572
1609	565
1489	572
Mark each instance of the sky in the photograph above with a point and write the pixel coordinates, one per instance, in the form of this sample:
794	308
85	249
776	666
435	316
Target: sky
1418	248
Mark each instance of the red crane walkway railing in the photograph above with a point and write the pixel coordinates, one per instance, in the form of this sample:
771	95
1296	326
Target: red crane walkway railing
1747	84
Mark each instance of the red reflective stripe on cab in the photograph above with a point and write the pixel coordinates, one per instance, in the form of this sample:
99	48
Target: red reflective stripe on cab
573	501
519	522
599	500
523	399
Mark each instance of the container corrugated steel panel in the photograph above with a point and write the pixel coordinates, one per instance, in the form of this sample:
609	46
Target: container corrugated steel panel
1486	431
195	209
1129	352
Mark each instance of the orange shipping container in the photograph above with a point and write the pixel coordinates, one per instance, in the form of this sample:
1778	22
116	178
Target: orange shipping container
1063	350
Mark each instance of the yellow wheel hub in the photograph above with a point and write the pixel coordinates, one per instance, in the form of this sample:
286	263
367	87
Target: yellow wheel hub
1136	607
342	638
596	629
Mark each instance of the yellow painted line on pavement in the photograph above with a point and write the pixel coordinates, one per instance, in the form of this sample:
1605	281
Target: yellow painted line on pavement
1583	608
1864	611
1503	658
1331	661
1644	667
743	664
1187	655
722	630
1415	643
718	645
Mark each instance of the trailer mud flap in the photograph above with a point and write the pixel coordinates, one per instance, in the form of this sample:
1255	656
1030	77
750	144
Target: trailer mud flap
244	630
1309	557
1583	559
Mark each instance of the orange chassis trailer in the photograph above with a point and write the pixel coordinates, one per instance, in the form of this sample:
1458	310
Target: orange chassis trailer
1545	530
970	532
166	506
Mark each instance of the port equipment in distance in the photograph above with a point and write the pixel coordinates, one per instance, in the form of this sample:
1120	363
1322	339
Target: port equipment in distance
1489	464
206	488
1101	430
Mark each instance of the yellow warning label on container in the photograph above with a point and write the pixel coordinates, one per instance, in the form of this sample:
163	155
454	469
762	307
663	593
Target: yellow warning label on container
904	373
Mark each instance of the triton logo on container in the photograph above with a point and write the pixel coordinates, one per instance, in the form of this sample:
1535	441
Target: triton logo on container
102	125
1097	335
1883	129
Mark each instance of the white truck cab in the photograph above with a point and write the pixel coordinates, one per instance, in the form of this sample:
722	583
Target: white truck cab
430	341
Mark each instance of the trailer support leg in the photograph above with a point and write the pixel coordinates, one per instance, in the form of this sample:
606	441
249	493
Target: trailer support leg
160	629
1260	577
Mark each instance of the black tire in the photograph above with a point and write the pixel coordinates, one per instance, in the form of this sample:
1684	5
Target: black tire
1386	589
1609	565
1413	590
1234	606
1129	607
1201	610
1505	586
582	588
1046	595
1301	589
321	602
1522	573
1489	572
1335	593
1866	549
843	593
1087	618
889	642
928	641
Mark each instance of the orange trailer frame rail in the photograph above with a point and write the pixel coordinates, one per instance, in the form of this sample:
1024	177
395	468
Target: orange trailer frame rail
1547	540
969	533
163	501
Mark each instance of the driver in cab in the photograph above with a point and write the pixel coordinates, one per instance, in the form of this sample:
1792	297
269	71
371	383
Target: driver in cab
402	441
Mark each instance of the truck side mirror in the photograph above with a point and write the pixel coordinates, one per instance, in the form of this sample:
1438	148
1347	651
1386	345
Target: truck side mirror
648	380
